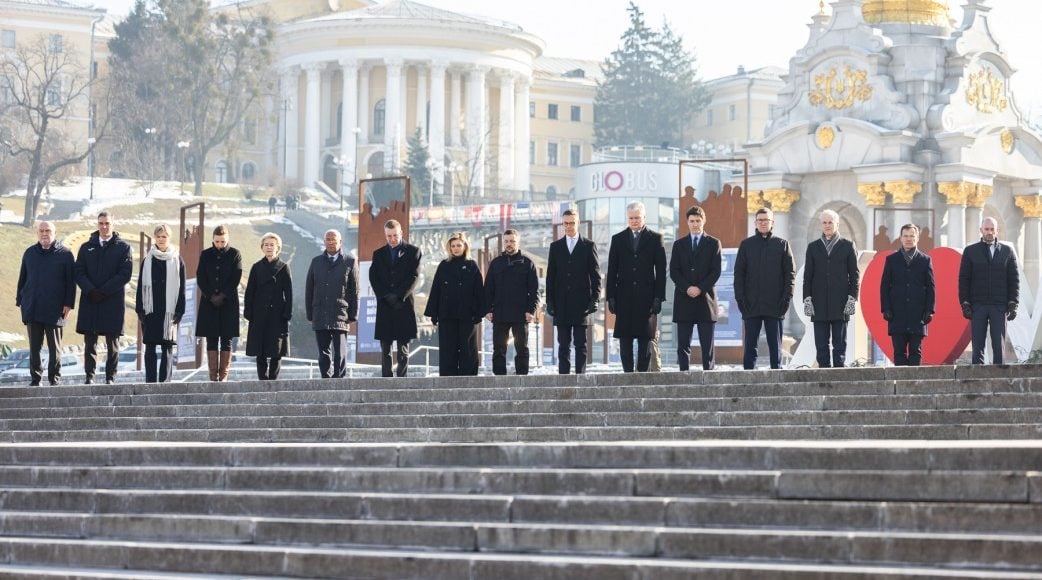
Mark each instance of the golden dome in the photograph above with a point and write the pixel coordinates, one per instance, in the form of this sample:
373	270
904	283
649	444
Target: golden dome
931	12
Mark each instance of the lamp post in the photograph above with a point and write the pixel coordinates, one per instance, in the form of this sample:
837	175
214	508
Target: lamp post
90	143
452	169
151	132
181	146
341	165
432	168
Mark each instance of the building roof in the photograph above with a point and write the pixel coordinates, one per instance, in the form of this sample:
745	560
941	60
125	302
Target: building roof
572	69
408	9
767	73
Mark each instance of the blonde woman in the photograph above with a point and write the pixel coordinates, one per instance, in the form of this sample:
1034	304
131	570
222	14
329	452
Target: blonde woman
160	303
456	305
268	305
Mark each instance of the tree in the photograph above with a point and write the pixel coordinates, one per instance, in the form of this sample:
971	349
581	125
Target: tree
45	87
417	163
650	88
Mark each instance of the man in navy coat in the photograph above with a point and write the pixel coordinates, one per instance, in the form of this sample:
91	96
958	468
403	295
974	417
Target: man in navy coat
46	294
989	290
573	288
908	297
694	266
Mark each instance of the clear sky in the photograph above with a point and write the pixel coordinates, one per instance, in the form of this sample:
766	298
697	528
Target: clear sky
724	33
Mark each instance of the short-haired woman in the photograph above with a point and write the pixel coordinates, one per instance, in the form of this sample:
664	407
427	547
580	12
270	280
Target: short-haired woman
218	277
268	305
160	303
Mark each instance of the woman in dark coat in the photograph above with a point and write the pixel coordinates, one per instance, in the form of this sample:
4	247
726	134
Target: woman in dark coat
218	277
268	305
160	303
456	305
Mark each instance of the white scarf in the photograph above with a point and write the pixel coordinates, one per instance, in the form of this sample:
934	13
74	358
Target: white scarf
173	286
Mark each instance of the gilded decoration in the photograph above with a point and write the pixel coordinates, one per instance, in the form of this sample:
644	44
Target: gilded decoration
903	190
874	193
957	192
825	135
1031	204
1008	140
979	195
930	12
987	92
837	91
754	201
781	199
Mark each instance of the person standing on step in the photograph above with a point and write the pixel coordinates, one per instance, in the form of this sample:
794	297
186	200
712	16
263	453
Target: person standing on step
393	275
455	305
989	290
573	288
636	286
830	289
511	297
908	297
160	304
218	278
268	306
104	266
331	303
764	282
695	265
45	294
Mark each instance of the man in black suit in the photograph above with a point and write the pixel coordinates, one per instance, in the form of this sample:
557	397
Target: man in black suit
764	282
989	290
908	297
694	266
636	286
393	275
573	287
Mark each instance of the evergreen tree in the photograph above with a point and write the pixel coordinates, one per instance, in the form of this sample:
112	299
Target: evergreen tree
416	162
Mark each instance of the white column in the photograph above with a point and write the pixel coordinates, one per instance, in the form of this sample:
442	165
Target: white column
312	120
956	226
290	127
505	154
349	122
974	215
421	99
455	107
363	104
436	143
1032	242
522	135
477	140
327	109
392	114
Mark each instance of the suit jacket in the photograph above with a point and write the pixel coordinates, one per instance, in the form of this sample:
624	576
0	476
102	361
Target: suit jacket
701	268
573	282
636	277
394	284
907	292
987	280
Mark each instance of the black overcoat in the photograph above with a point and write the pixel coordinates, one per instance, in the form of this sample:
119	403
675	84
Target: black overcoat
153	326
830	278
636	277
907	292
987	280
700	268
268	306
331	292
764	276
573	282
394	283
106	268
219	272
46	284
457	291
511	288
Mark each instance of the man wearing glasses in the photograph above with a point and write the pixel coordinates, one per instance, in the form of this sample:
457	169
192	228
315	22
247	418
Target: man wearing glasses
573	287
764	282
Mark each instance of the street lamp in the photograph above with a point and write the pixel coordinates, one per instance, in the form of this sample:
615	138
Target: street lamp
181	146
341	164
90	143
432	168
151	132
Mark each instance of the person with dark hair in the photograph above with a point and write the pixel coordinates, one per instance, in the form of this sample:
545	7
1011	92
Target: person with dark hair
908	297
268	305
160	304
456	305
831	281
764	282
393	275
511	298
695	265
989	290
104	266
573	288
218	277
46	293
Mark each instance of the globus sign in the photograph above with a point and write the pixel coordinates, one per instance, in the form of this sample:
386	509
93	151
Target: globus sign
615	180
625	179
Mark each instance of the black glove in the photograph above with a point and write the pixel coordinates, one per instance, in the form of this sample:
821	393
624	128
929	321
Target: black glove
967	312
550	310
656	306
592	307
611	305
475	321
217	300
928	318
391	299
434	320
95	296
887	315
398	305
176	320
1011	311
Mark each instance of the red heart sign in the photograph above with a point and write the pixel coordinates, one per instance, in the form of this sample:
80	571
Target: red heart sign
949	331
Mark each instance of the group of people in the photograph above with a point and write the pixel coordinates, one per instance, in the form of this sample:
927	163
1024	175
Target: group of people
507	295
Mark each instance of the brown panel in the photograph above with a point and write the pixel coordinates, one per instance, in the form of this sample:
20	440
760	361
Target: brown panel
193	240
371	228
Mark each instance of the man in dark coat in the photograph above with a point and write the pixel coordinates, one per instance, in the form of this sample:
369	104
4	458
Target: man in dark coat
268	305
830	289
331	303
636	286
393	274
218	278
46	294
764	282
511	296
573	288
989	290
694	266
908	297
104	265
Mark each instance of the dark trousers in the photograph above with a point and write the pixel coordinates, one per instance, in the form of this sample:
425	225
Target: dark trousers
988	317
222	343
706	334
90	355
268	367
643	354
332	353
165	363
457	354
838	331
500	333
566	336
773	329
401	357
908	350
53	335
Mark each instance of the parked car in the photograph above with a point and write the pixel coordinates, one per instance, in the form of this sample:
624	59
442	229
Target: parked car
14	358
71	366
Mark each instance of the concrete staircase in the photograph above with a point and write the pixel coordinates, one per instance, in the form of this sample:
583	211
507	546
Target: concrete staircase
851	473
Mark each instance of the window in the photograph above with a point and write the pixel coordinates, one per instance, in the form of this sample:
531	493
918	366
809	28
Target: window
249	131
6	90
54	94
577	113
576	155
551	154
7	39
531	152
551	111
531	109
551	192
709	117
379	113
732	112
221	169
249	171
55	42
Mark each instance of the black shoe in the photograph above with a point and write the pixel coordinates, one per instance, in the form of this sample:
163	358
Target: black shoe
88	381
109	381
56	382
34	384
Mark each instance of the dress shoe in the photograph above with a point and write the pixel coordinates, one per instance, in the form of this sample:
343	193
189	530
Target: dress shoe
88	381
34	384
109	381
56	382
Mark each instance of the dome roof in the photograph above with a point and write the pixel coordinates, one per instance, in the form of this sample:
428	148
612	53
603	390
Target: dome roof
930	12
